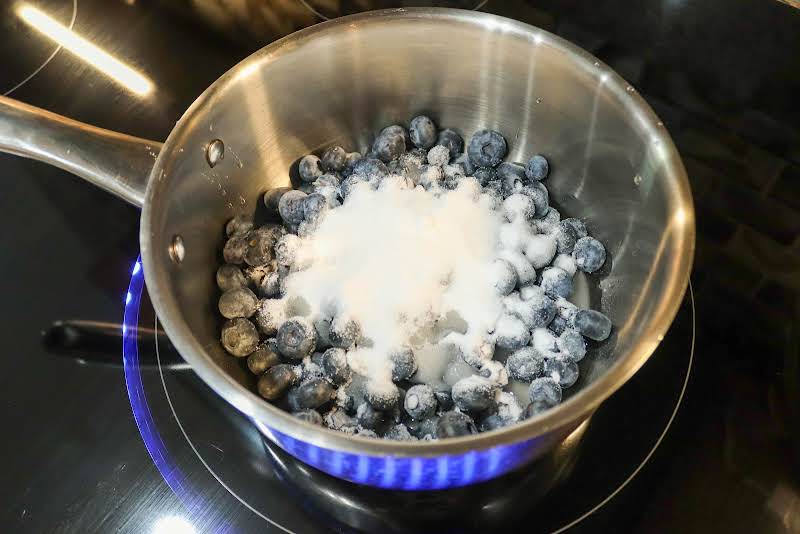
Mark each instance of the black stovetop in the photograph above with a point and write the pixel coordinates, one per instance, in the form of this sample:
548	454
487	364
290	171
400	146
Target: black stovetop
702	440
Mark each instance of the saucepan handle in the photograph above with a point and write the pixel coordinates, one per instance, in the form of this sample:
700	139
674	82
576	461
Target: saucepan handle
116	162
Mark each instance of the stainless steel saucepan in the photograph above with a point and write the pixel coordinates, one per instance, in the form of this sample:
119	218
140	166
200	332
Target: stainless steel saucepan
613	164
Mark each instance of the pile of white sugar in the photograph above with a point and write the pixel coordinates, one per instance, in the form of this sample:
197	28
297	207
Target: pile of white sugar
400	261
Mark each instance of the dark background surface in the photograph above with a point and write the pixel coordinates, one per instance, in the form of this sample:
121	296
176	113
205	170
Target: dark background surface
723	75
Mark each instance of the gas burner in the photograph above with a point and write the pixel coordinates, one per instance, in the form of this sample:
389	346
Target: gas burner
24	52
217	462
326	10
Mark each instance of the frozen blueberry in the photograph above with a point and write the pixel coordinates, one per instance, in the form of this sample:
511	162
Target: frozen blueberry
350	161
537	168
525	271
536	311
566	310
452	141
443	393
503	277
334	362
511	333
344	332
545	390
577	225
260	243
230	277
565	262
454	171
420	401
495	372
273	384
296	338
404	364
565	237
235	249
454	424
548	223
525	364
238	225
511	172
309	416
327	180
430	176
493	422
422	131
272	197
593	324
484	175
487	148
334	159
381	396
290	207
239	337
562	369
270	286
540	249
367	433
399	432
519	207
473	394
349	184
572	344
337	419
270	315
311	394
438	156
314	205
589	254
239	302
556	283
557	325
369	167
540	196
310	168
254	274
390	143
422	428
262	359
544	342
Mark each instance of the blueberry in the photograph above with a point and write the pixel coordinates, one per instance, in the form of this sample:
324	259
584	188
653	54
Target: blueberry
519	207
493	422
566	263
541	198
525	271
309	416
572	344
473	394
540	249
420	401
350	161
273	384
239	337
269	316
558	325
262	359
390	143
296	338
310	168
370	167
381	396
235	249
260	243
367	433
409	163
334	362
399	432
270	286
548	223
593	324
404	364
511	333
546	391
272	198
314	205
327	180
561	369
452	141
333	159
537	168
510	172
290	207
565	237
589	254
349	184
494	187
503	277
454	171
311	369
422	428
311	394
495	372
344	332
484	175
430	176
556	283
487	148
438	156
534	408
255	274
369	417
230	277
525	364
536	311
454	424
239	302
238	225
577	225
422	131
566	310
444	397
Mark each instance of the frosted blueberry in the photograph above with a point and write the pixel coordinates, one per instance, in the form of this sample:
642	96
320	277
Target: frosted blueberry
511	333
484	175
334	363
525	271
525	364
422	131
399	432
344	332
390	143
381	396
503	277
589	254
561	369
334	159
452	141
540	250
577	225
290	207
420	401
556	283
565	237
369	417
546	391
572	344
593	324
519	207
404	364
296	338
